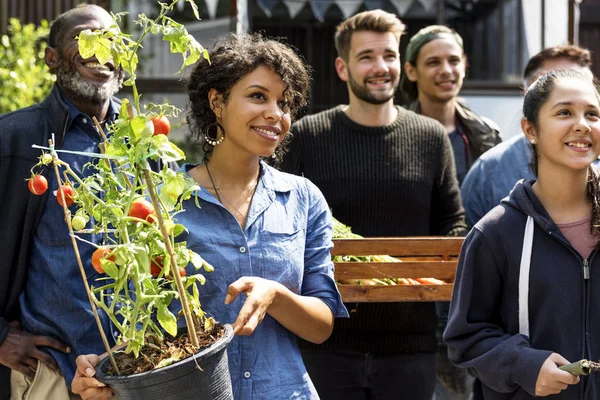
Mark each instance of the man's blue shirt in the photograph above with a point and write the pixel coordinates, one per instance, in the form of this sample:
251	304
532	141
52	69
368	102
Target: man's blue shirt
494	175
54	301
287	239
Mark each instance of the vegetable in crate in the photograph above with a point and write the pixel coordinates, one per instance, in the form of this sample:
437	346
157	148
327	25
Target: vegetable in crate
341	231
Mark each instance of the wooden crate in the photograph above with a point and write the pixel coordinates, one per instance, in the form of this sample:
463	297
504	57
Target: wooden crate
421	257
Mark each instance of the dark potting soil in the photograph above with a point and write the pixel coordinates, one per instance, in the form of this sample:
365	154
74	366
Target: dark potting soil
171	350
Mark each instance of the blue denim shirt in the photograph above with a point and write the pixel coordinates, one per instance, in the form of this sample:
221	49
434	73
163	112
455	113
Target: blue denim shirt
54	301
494	175
287	239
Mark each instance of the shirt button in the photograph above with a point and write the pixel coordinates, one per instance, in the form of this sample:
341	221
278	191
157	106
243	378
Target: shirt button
84	120
242	249
247	374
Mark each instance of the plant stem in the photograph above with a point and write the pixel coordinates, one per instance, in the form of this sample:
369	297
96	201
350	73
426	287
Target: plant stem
110	314
136	304
103	148
67	214
174	267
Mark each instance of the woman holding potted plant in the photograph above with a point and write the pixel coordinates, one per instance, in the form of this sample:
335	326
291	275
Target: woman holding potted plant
268	233
525	296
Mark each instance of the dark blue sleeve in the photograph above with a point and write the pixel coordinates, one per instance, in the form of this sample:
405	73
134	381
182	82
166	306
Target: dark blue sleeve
475	337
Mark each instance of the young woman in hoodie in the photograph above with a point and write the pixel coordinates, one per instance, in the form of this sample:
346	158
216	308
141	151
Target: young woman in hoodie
527	285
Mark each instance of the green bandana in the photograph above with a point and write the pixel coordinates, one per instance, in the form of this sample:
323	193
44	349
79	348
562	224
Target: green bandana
425	36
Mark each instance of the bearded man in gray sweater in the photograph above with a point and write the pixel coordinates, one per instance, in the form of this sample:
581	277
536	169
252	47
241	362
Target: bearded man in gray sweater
384	171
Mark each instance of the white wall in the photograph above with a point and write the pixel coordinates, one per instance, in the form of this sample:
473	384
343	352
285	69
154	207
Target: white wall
503	110
556	24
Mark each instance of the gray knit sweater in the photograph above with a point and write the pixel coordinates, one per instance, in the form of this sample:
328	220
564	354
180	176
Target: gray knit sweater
396	180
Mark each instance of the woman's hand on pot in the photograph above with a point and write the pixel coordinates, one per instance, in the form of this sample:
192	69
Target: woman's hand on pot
84	383
261	293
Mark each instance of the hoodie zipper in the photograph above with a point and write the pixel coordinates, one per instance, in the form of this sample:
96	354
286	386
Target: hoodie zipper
587	350
586	279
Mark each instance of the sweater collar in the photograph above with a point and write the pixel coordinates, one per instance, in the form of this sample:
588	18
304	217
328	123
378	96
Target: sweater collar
352	126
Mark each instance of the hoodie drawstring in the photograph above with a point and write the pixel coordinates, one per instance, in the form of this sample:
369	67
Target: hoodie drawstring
524	278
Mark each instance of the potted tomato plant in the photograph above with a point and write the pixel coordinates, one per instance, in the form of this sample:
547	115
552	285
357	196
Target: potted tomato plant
144	288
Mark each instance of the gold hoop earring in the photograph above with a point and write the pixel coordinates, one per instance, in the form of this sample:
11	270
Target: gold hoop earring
219	136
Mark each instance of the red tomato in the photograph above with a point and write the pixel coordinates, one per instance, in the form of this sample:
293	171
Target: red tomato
100	253
37	184
142	209
69	195
156	266
162	126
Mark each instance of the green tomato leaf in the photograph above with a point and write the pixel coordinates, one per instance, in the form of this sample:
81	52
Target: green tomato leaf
194	8
199	262
130	81
198	277
142	258
167	361
174	184
133	346
178	229
140	128
176	35
110	268
87	43
166	319
102	50
166	150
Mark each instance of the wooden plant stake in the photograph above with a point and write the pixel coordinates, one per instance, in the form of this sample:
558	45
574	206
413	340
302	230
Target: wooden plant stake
67	213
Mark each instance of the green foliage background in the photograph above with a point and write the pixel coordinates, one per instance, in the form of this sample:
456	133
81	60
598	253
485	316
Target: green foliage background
24	76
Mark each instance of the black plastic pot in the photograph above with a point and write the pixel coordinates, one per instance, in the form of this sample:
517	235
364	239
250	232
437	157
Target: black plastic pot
203	376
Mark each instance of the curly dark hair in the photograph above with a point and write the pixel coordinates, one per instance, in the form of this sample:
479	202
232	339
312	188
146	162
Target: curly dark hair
232	58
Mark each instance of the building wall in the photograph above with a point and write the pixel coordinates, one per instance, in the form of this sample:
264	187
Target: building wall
32	11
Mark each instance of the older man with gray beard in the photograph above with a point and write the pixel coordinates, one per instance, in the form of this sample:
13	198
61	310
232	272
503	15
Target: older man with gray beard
45	317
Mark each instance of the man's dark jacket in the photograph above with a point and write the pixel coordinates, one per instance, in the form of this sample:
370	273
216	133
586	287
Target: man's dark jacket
483	133
20	210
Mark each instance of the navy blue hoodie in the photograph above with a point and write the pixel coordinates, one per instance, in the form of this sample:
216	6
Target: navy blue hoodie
564	307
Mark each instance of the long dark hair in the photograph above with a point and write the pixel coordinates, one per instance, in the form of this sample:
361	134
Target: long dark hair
536	96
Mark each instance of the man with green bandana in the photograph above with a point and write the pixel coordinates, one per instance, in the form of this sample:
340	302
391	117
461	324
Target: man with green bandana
434	71
384	171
